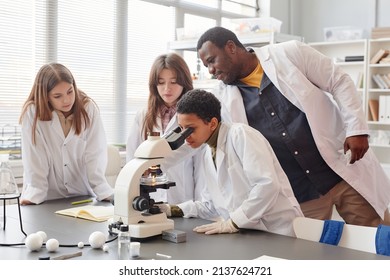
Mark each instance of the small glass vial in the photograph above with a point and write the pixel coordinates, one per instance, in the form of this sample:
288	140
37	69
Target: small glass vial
135	249
124	240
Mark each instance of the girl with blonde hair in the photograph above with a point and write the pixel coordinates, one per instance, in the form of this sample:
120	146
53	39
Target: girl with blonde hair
64	148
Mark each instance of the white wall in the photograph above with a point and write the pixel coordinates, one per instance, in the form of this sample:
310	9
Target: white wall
383	8
307	18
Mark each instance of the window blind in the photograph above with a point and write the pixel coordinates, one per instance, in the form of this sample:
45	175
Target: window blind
82	36
87	37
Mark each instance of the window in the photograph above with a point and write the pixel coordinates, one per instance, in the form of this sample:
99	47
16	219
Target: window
109	45
147	39
248	8
16	66
38	32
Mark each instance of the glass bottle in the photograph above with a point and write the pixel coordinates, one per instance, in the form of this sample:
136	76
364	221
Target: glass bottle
8	184
124	240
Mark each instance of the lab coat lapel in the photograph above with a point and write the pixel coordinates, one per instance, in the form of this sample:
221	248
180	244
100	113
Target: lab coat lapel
221	143
56	125
172	124
222	165
278	78
234	97
70	135
210	168
220	159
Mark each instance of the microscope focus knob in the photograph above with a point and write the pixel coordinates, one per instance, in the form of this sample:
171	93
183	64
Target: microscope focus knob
140	203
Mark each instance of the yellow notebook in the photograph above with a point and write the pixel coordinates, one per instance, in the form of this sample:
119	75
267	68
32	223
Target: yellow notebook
89	212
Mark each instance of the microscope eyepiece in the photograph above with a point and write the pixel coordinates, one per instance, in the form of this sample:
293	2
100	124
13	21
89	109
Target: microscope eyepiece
176	137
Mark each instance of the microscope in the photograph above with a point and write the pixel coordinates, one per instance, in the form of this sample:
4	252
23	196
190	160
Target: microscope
139	177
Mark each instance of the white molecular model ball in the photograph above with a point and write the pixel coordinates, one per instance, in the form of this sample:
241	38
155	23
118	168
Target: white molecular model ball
43	235
105	248
97	239
34	241
52	245
80	245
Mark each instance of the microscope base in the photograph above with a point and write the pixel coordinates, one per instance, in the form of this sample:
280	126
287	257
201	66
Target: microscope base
145	230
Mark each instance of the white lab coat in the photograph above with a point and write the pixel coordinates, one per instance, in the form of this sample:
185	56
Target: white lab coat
58	167
182	173
317	87
248	184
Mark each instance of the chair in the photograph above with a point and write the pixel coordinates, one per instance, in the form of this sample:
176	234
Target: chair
113	165
360	238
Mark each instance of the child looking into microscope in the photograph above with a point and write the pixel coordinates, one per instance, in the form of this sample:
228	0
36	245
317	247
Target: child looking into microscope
245	184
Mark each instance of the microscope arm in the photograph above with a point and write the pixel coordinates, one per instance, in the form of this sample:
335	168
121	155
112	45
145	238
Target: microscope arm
127	187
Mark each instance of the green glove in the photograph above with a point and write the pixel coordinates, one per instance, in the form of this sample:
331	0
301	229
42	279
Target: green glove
171	210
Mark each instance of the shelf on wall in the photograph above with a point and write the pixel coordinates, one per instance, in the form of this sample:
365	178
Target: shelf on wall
366	48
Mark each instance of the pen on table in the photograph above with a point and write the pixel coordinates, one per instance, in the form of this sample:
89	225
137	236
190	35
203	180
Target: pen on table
62	257
81	201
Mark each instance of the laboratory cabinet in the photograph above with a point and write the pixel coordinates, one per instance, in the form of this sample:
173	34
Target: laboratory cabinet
355	58
351	56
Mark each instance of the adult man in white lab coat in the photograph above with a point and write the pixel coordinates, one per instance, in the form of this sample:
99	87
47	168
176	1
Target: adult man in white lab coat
311	114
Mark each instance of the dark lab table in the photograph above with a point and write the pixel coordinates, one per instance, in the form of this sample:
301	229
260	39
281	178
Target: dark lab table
246	245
